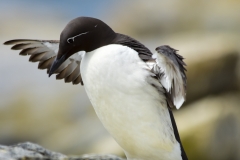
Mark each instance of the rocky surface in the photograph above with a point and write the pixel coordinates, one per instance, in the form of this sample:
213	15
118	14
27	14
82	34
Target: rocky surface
31	151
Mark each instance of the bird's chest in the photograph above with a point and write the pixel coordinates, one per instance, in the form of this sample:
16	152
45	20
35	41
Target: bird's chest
128	106
111	76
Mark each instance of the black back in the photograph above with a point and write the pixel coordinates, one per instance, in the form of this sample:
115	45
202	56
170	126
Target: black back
144	53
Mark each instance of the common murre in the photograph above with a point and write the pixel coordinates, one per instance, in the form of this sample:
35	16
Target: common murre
131	89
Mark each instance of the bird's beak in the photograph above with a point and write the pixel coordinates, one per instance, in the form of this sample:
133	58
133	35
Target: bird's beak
57	63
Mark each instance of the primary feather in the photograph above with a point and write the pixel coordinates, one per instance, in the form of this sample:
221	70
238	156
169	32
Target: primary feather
45	52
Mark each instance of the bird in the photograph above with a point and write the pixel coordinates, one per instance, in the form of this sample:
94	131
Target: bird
132	90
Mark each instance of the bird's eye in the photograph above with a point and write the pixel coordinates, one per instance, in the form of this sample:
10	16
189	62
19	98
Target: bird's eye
70	40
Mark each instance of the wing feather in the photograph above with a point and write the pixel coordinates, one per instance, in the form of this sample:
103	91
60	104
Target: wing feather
78	80
45	52
37	57
170	70
30	51
74	75
25	46
46	64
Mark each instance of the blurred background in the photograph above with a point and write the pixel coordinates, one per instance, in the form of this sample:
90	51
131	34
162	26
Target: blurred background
59	116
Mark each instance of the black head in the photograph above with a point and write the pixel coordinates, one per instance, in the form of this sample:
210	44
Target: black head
82	34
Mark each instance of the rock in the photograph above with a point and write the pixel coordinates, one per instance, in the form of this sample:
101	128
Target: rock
31	151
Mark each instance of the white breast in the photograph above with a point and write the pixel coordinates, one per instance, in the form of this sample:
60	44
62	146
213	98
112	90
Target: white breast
131	109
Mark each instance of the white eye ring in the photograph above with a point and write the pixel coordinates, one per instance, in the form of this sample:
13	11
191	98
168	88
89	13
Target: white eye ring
70	40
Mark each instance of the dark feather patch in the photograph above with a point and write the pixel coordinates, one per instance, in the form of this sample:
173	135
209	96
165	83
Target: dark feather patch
144	53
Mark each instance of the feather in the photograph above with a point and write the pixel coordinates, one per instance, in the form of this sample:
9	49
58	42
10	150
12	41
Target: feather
45	52
172	69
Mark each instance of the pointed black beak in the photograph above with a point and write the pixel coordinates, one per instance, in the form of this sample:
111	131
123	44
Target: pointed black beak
57	63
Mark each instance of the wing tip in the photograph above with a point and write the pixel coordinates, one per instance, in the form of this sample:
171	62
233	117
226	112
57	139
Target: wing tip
166	47
178	103
14	41
9	42
16	47
17	41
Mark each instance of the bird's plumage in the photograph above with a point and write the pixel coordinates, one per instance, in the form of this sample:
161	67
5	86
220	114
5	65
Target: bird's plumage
45	52
131	89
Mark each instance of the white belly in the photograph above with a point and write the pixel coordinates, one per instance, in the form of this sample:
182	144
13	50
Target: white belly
133	112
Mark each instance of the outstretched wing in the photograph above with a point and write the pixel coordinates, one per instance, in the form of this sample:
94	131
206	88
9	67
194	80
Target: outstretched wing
45	52
169	68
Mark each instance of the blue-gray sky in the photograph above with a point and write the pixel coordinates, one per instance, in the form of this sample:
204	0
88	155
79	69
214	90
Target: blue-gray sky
73	8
